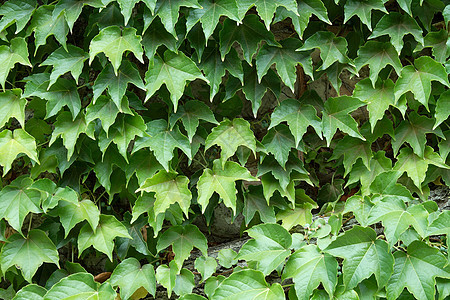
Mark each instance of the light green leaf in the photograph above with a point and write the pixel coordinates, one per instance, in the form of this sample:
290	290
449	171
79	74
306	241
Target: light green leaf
440	44
114	41
360	206
249	35
418	79
192	297
397	25
363	255
269	247
417	271
28	253
309	267
80	286
70	130
166	276
102	238
229	135
173	71
386	186
300	215
184	282
106	111
31	292
72	9
248	284
63	61
13	143
12	105
16	53
16	12
129	276
222	181
442	112
352	149
227	257
440	224
117	82
206	265
363	10
183	239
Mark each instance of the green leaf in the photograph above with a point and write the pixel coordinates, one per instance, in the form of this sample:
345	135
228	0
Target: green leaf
397	25
28	253
183	239
63	61
72	9
184	282
206	265
418	79
377	55
162	141
254	201
309	267
192	297
210	13
129	276
227	258
299	215
352	149
442	113
190	114
386	186
440	224
166	276
300	19
31	292
63	93
248	284
106	111
102	238
117	82
222	181
156	35
336	115
173	70
440	44
142	163
13	143
267	8
286	60
80	286
360	206
16	53
249	35
279	142
113	42
229	135
378	98
70	130
169	188
416	270
269	247
363	9
332	48
16	12
44	25
12	105
363	255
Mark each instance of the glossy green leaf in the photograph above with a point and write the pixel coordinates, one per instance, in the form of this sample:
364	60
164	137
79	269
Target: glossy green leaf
16	12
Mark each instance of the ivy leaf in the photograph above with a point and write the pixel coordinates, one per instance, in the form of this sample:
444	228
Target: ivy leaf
269	247
190	114
440	44
352	149
169	188
360	206
210	13
156	35
129	276
418	80
70	130
206	265
440	224
162	141
254	201
173	71
417	271
279	141
386	186
166	276
16	53
113	41
72	9
117	83
63	93
106	111
229	135
363	255
28	253
249	35
363	9
184	282
183	239
336	115
102	238
222	181
13	143
44	25
309	267
126	7
378	98
332	48
300	19
377	55
442	113
248	284
12	105
286	60
397	25
16	201
31	291
63	61
298	117
16	12
143	163
80	286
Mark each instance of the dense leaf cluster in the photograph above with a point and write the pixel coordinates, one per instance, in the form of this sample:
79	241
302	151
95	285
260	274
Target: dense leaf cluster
125	122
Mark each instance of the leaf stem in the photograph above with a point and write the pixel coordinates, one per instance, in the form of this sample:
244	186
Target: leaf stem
29	223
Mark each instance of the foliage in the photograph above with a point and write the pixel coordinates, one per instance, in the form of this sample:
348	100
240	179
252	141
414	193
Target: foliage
125	122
